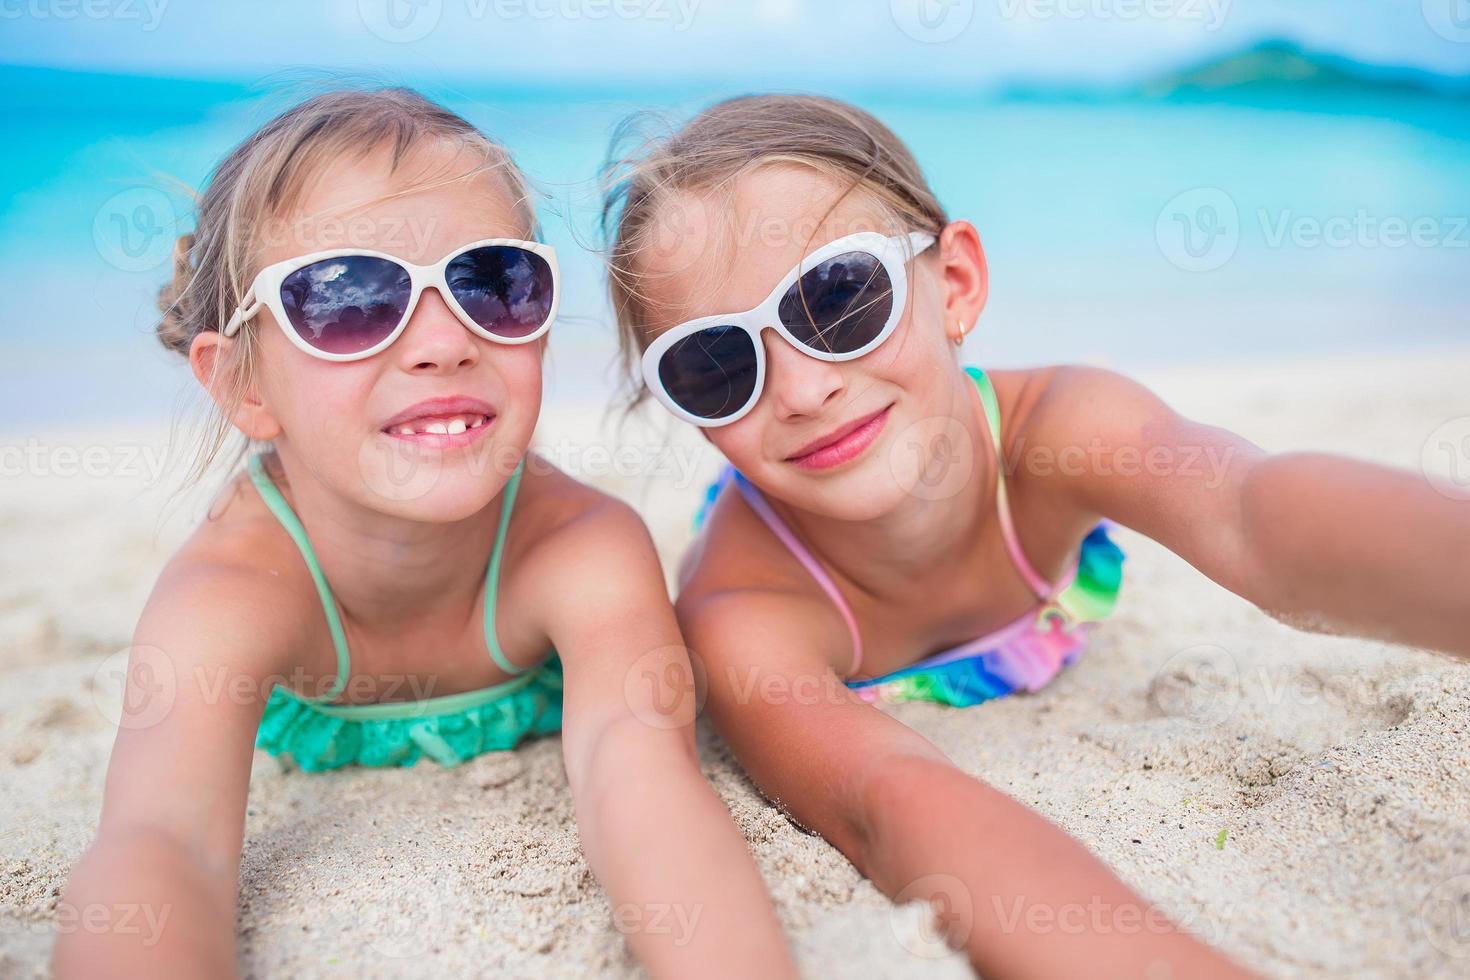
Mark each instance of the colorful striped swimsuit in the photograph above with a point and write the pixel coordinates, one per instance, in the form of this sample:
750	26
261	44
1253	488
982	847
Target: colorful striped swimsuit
1023	656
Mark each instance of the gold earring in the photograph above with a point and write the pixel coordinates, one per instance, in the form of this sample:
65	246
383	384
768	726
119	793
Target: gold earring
960	340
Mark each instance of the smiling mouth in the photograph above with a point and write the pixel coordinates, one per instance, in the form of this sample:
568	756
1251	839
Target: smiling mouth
846	444
441	425
441	431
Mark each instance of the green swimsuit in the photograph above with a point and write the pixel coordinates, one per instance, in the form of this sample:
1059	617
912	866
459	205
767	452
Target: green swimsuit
318	734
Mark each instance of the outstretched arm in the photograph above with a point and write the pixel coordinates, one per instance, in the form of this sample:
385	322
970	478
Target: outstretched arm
1320	541
683	887
155	894
908	819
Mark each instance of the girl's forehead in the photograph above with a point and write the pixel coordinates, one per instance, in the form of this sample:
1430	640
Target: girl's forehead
419	209
724	251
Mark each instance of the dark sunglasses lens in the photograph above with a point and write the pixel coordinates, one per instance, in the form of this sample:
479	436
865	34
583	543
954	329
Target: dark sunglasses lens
710	374
348	304
506	290
840	305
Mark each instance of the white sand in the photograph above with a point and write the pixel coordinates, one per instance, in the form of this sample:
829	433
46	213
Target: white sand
1338	769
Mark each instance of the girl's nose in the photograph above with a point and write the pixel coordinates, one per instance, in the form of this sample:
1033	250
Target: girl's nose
799	385
435	339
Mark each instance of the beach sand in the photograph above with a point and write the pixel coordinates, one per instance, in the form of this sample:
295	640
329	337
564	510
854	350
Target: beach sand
1301	800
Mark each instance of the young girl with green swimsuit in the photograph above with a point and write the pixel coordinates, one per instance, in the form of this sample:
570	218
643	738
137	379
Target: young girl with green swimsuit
395	578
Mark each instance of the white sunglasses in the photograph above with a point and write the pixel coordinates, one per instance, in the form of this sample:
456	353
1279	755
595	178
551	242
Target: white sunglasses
839	303
347	304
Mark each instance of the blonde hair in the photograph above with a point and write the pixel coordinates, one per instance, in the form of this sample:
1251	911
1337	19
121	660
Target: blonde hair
260	179
714	149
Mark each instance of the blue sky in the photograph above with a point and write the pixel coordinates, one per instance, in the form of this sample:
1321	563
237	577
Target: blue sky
829	43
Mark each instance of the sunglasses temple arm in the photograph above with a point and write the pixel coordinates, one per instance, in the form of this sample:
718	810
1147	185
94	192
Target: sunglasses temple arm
242	315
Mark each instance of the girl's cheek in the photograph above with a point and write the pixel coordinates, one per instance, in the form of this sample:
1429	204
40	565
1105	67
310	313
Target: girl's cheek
520	381
528	374
739	442
320	403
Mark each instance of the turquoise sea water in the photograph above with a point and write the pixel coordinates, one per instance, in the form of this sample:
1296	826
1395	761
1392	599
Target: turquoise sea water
1119	230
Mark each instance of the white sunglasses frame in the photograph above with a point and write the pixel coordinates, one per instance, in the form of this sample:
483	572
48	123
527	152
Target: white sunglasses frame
266	291
892	251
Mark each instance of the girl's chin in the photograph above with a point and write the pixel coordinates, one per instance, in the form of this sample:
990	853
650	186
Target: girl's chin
863	493
437	491
432	485
444	504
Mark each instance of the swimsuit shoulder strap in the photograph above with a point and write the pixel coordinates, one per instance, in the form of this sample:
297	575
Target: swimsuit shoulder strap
991	403
803	554
492	571
268	491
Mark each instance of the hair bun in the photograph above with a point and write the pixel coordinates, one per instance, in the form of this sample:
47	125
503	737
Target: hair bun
175	329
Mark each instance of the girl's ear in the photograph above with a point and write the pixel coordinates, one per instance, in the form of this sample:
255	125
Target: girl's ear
966	278
208	353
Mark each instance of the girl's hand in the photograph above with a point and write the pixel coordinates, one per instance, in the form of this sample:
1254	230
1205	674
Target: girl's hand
1319	541
681	882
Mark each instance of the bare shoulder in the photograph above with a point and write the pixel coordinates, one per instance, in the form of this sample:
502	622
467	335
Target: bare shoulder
1093	440
236	589
568	521
776	628
743	595
1056	406
576	550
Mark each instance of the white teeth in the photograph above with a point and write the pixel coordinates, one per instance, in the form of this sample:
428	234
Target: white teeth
453	427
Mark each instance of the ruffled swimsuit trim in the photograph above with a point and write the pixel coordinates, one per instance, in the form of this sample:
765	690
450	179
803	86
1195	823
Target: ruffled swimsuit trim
318	734
1023	656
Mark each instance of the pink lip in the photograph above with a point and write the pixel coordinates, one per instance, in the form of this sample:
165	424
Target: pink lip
847	442
442	409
